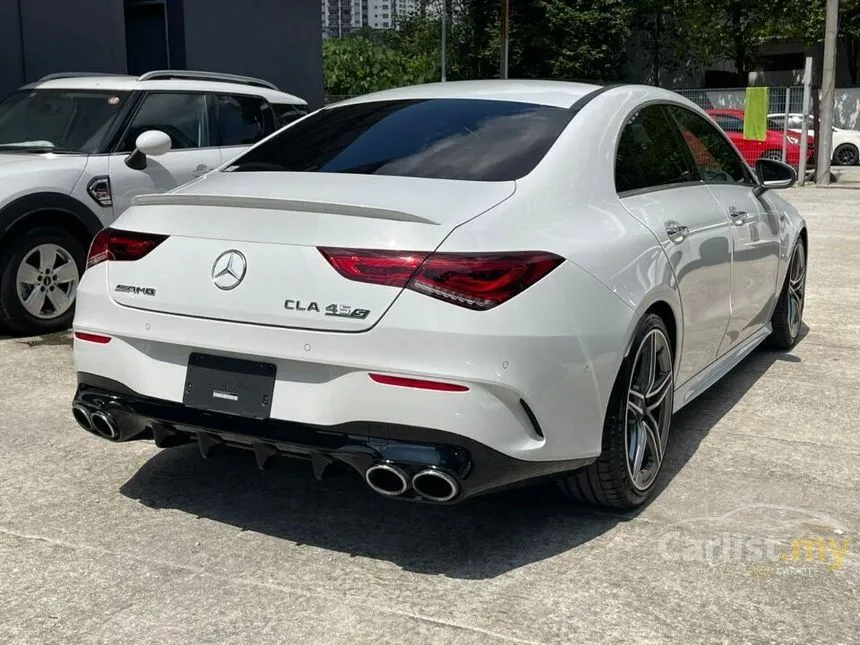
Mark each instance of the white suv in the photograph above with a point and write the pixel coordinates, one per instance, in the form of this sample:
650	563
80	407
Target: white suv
75	149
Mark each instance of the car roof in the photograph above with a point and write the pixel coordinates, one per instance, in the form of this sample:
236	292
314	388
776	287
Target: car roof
550	93
121	83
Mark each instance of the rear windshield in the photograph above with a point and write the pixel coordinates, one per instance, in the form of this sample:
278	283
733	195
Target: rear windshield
468	139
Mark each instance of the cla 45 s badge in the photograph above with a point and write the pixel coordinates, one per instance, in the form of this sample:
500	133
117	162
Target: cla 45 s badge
339	311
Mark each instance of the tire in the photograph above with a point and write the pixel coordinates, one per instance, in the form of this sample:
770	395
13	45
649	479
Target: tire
775	155
614	480
787	319
20	278
846	155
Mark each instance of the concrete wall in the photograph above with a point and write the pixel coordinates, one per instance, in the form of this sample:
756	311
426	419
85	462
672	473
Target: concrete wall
278	40
90	35
39	37
11	61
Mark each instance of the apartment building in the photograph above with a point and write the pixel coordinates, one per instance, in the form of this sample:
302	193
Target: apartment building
341	17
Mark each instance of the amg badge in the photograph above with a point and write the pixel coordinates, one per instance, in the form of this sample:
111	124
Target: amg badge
138	291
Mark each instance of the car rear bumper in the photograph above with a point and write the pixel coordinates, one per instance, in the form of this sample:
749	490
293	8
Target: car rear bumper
535	385
475	467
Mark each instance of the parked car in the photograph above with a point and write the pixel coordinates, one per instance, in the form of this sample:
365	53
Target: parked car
846	143
450	288
74	150
732	123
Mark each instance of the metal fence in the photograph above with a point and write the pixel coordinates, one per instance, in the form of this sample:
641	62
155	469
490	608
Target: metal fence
783	139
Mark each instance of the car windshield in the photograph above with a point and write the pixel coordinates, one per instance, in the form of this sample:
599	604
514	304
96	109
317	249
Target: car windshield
58	120
467	139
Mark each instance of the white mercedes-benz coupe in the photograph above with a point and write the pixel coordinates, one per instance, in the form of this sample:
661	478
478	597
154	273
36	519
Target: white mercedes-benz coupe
450	288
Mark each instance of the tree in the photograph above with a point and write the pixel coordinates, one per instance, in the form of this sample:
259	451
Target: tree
804	19
559	39
674	34
356	65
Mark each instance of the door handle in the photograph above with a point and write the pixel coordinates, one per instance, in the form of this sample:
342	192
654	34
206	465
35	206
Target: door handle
739	218
676	232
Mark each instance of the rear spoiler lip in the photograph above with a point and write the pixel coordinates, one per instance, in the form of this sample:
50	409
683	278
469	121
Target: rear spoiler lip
283	204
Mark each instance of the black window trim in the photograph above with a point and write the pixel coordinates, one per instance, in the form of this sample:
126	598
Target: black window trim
144	94
687	153
750	174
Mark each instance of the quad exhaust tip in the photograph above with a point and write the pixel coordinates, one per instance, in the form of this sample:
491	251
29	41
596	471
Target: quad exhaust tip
104	425
82	416
387	479
435	485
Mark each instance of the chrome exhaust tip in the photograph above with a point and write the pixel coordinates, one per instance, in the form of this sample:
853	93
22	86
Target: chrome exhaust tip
387	479
104	425
435	485
82	416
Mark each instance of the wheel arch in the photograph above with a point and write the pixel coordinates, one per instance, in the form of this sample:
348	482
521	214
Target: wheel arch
667	305
48	209
667	314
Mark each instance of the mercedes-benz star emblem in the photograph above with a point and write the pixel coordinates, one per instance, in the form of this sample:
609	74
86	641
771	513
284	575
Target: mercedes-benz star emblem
229	270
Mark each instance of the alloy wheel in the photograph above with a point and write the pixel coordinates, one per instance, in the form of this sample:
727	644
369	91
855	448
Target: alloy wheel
649	409
846	156
47	281
796	290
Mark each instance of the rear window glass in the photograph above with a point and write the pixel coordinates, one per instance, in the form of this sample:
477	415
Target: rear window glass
468	139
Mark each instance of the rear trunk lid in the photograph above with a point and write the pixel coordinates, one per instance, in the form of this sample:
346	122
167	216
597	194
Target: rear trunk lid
244	247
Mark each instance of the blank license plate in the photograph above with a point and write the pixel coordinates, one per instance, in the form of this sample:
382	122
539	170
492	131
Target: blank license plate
229	385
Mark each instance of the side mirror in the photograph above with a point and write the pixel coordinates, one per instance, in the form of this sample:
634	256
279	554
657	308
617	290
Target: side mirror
152	143
774	174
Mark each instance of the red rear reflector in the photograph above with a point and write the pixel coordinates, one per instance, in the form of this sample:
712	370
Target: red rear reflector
92	338
121	246
421	384
474	280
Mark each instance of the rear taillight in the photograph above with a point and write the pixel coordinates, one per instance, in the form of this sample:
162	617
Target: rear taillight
474	280
121	246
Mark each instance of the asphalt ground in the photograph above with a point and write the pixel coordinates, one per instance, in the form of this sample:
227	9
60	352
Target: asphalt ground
753	537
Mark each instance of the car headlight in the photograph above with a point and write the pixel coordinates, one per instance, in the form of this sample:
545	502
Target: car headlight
793	140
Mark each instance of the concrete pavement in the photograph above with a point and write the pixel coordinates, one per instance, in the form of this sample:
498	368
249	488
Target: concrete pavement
753	538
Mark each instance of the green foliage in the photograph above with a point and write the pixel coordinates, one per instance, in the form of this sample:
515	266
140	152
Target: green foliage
358	65
674	34
576	39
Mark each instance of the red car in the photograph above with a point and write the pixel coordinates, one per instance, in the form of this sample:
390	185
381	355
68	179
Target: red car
732	123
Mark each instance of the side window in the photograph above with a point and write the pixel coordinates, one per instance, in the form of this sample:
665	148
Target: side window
181	116
243	120
796	122
288	113
729	123
651	153
715	157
